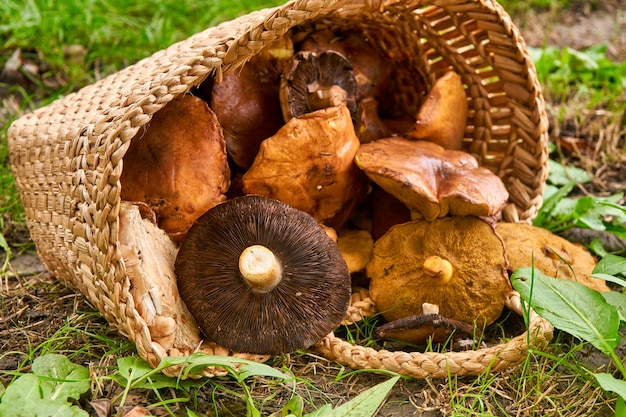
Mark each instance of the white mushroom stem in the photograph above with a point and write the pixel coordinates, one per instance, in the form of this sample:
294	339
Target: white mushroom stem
438	267
428	308
260	268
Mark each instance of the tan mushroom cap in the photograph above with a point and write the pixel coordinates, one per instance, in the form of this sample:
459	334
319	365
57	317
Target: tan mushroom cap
178	165
528	245
309	164
432	180
456	263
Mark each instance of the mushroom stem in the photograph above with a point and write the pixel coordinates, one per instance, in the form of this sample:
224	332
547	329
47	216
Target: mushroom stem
437	267
320	97
260	268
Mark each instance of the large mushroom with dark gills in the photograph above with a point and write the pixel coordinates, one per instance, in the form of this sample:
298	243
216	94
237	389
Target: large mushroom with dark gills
260	276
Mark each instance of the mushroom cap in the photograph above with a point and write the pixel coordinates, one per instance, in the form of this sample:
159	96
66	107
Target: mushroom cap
432	180
246	101
443	115
309	164
310	300
401	283
315	81
528	245
178	165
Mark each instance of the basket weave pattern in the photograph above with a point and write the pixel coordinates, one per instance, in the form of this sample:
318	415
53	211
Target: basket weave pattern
68	156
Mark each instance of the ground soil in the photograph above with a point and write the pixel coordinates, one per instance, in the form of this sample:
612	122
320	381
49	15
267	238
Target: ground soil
38	314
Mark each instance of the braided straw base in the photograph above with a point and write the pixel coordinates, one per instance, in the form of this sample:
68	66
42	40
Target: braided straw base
68	157
441	365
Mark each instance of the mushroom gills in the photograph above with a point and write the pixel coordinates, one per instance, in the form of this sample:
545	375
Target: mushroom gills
260	276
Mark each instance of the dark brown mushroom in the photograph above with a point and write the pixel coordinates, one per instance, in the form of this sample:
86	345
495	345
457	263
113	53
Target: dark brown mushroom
316	81
260	276
246	102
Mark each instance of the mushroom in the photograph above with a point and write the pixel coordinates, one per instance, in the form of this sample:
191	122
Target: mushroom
177	165
356	247
316	81
309	164
246	102
371	68
432	180
456	263
528	245
443	115
262	277
428	325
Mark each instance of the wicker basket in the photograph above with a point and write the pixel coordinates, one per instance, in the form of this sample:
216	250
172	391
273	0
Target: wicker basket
67	156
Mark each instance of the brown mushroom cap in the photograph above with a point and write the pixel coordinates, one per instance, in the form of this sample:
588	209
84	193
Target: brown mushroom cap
306	301
456	263
178	165
309	164
528	245
316	81
443	115
432	180
246	102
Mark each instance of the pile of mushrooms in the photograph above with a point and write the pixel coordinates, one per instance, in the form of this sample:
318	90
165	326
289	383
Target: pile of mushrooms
294	181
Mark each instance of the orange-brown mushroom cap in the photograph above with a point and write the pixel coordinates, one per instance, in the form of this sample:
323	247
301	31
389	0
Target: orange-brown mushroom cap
178	165
432	180
528	245
456	263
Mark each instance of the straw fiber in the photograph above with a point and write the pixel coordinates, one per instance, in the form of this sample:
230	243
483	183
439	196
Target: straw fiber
68	156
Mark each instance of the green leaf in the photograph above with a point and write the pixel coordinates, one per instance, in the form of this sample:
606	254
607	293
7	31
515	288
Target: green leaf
545	212
294	407
325	411
620	407
366	403
611	384
67	379
24	397
618	300
571	307
610	265
563	175
130	369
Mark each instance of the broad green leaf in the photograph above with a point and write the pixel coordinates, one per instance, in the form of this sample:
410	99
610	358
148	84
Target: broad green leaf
571	307
67	379
545	212
562	175
25	398
2	389
618	300
610	265
366	403
131	369
611	384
